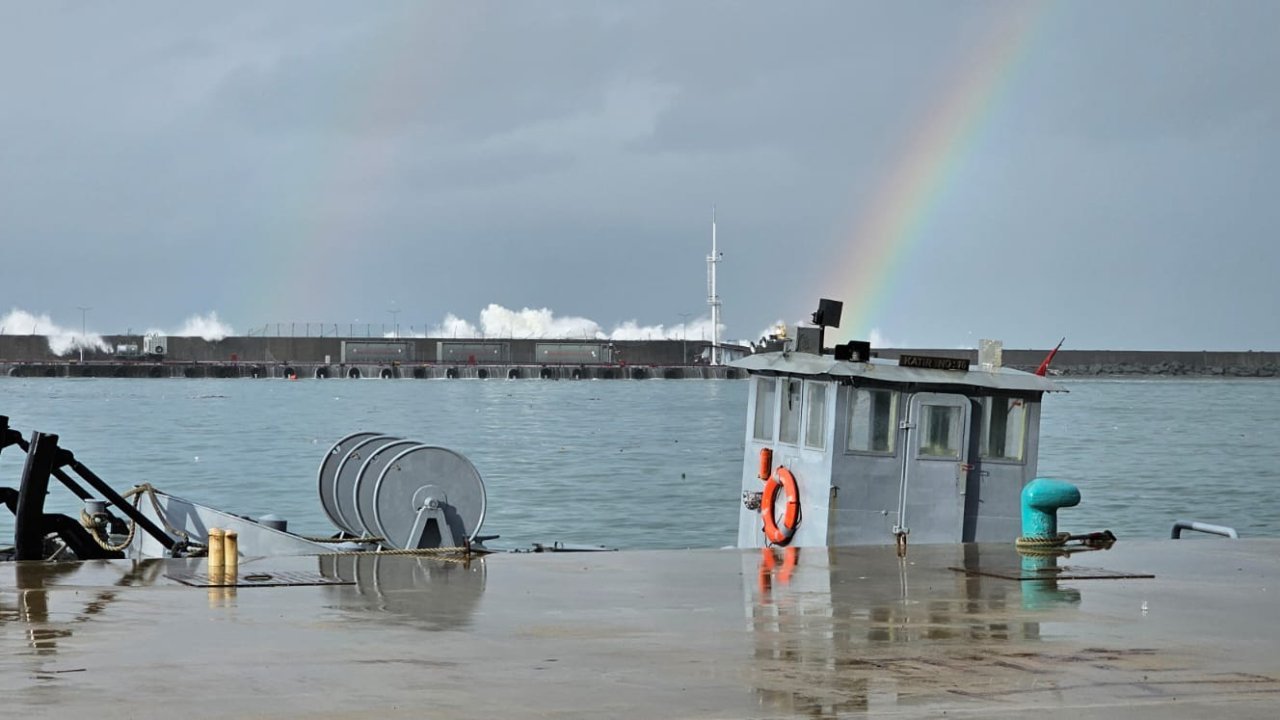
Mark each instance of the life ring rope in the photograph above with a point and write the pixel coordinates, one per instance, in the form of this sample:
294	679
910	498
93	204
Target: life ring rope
780	534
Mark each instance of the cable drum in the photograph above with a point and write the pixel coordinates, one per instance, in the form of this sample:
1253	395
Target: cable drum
329	472
422	487
344	482
362	497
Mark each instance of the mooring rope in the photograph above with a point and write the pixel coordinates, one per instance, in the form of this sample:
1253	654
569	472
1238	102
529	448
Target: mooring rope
441	551
461	555
93	523
1042	543
1065	543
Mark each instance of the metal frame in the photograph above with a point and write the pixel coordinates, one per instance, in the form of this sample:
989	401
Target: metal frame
44	459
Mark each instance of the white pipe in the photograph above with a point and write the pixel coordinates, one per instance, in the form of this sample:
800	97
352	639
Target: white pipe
1180	525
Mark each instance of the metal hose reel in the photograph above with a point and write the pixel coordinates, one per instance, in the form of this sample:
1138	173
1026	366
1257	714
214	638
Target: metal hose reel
344	482
329	472
376	460
410	494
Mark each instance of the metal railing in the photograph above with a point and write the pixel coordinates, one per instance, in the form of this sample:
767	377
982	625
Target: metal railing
1223	530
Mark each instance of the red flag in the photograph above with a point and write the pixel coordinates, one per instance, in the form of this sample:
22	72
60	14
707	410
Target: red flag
1044	366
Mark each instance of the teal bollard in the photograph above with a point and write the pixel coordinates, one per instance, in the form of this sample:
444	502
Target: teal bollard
1041	499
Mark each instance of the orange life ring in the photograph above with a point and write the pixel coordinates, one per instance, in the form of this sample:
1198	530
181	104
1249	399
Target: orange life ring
780	534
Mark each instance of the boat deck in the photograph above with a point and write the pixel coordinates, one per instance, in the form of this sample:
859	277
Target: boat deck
664	634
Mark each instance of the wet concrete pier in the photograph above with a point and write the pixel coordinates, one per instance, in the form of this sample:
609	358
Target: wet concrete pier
812	633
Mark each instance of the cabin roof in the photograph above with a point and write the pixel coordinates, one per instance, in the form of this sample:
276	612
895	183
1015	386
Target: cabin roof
808	364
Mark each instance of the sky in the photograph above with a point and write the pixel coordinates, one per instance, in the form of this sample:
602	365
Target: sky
951	171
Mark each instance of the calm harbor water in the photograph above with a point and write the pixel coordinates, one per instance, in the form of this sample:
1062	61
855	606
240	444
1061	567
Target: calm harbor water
647	464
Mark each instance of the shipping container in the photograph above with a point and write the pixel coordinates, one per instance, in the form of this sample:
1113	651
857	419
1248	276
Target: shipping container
574	353
471	353
375	351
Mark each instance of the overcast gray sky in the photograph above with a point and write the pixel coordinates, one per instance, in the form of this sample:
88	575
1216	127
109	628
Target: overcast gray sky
1107	172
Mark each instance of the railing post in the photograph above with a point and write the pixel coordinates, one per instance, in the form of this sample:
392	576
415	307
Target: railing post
28	526
1223	530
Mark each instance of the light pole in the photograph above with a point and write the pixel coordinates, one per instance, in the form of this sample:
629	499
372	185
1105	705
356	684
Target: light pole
684	338
83	312
395	329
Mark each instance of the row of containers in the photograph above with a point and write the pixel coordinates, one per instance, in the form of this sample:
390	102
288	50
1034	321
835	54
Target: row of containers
322	371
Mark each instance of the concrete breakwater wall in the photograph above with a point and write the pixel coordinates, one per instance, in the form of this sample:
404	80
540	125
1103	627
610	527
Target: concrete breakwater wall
29	355
383	358
361	371
1109	363
349	350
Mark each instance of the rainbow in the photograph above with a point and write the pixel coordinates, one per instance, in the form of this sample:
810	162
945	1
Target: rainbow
898	212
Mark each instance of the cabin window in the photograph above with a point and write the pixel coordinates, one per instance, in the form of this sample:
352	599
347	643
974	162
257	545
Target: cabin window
789	432
815	432
873	421
766	393
1005	423
940	431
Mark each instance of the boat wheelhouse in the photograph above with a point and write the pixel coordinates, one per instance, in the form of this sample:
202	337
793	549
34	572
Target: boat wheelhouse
846	449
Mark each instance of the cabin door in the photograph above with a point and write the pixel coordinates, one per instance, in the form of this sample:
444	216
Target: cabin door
935	468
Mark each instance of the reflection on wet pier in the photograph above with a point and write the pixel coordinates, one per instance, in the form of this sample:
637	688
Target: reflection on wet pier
807	632
814	619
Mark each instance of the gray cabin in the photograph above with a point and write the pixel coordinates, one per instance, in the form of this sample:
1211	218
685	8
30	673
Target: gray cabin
873	452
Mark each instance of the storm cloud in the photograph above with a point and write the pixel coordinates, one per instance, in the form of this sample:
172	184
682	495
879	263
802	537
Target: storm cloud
335	162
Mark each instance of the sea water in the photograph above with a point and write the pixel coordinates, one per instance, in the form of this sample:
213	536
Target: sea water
627	464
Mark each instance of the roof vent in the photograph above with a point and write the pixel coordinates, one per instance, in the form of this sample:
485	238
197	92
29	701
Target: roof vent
990	355
808	339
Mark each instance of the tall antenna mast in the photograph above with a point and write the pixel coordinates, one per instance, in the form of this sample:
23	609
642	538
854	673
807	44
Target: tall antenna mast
712	298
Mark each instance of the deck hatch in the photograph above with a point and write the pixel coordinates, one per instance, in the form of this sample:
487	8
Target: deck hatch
258	578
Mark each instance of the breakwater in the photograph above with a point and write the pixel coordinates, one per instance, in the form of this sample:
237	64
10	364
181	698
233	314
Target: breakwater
356	371
358	358
449	358
1120	363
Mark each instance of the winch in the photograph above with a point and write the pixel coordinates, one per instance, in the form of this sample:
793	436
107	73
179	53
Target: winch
409	494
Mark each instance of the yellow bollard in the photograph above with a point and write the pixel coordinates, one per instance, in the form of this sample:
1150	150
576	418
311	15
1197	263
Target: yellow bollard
215	549
231	551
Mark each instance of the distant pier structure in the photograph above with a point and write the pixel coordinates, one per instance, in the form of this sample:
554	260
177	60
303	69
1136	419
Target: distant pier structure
485	359
383	358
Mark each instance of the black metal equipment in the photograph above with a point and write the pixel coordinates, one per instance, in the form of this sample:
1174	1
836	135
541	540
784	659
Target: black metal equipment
827	315
855	350
28	524
9	437
32	524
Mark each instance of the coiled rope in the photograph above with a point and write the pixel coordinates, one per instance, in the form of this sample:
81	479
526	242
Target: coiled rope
1065	543
1042	543
96	522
